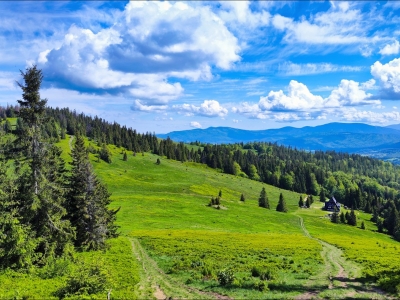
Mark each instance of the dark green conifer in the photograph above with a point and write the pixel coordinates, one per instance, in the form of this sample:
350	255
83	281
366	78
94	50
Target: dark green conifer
263	199
335	215
281	204
40	191
342	218
301	202
352	218
125	158
88	201
322	197
362	225
242	198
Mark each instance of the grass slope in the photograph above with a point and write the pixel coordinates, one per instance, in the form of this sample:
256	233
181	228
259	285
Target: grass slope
177	245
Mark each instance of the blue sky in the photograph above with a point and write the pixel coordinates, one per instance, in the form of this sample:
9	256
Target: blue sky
166	66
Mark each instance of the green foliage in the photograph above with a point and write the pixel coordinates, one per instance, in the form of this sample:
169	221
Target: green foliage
89	278
342	218
352	220
362	225
301	202
35	206
281	207
88	201
263	199
335	216
225	277
242	198
105	154
322	197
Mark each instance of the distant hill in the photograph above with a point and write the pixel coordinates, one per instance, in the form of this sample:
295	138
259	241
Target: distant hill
376	141
394	126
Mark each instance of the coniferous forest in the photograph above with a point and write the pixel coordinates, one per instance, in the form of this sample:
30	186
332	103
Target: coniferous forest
45	210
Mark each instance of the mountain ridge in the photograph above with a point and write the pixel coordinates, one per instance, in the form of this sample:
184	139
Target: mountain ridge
376	141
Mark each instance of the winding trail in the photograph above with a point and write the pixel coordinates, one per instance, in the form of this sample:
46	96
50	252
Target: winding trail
336	277
154	283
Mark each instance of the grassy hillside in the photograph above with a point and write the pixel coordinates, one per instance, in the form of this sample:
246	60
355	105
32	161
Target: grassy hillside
183	245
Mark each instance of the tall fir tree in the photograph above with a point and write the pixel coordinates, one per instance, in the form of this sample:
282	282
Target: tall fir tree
88	201
322	197
39	188
342	218
352	218
17	240
281	207
263	199
301	202
335	215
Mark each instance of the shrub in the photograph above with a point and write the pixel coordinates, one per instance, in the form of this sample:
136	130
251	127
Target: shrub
260	286
225	277
88	279
55	268
255	272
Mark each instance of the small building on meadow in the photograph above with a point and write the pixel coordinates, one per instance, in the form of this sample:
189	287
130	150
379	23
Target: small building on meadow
330	205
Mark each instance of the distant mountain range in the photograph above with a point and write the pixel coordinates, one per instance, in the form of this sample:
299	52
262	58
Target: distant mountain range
375	141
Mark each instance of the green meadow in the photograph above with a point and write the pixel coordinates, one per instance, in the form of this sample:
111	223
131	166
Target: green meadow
173	244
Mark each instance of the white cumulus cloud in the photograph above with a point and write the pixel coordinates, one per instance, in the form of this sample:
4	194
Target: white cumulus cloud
300	104
388	76
391	49
138	54
349	93
297	98
209	108
195	124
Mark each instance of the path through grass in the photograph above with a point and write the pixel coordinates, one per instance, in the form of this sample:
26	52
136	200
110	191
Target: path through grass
338	278
155	283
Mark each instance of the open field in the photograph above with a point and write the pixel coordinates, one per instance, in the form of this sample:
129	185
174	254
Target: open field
173	244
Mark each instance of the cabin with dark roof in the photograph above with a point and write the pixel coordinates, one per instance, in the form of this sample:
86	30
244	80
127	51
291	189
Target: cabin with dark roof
330	205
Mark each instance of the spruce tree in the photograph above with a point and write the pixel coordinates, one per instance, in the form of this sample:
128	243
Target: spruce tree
39	185
87	202
352	218
322	197
281	204
242	198
362	225
125	157
301	202
342	218
379	224
263	199
335	216
17	240
347	217
308	203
